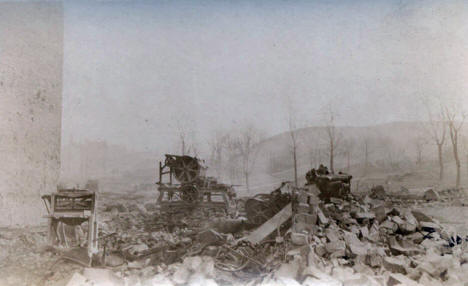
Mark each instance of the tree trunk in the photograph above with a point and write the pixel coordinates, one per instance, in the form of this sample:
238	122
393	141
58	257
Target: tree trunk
348	161
441	162
332	170
295	165
366	158
457	160
246	174
419	160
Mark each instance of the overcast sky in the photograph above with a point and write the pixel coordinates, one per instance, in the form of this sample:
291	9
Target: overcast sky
133	69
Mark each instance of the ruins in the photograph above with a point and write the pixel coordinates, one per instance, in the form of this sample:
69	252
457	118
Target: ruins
233	143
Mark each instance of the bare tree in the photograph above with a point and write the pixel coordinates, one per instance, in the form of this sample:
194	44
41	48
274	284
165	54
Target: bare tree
332	135
438	130
348	147
394	156
246	146
419	143
465	147
315	156
186	134
183	134
313	147
367	151
293	134
455	119
232	162
217	145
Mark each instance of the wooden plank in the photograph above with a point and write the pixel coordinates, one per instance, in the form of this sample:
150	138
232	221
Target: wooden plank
271	225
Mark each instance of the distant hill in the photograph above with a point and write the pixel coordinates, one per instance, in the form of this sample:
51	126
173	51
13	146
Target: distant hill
391	147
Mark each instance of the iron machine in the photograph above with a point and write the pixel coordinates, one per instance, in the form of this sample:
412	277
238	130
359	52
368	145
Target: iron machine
185	188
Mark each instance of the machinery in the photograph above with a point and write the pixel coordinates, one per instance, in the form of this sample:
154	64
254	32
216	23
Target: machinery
329	185
68	210
184	187
262	207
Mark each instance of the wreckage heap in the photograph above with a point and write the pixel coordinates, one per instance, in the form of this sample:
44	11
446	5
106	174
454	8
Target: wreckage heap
194	192
342	239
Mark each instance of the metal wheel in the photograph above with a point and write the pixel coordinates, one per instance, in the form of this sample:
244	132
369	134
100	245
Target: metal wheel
186	169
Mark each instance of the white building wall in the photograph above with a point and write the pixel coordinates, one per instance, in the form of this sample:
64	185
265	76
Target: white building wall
31	57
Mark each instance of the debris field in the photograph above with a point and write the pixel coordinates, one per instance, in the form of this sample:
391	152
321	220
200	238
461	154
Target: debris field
371	239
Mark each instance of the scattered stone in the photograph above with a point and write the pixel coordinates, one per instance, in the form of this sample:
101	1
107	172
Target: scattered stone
408	249
374	260
208	267
336	248
137	264
370	241
395	265
210	237
227	225
421	217
431	195
314	277
380	214
181	275
402	279
147	271
322	219
193	263
355	245
114	260
158	279
288	270
137	248
197	279
361	280
427	280
416	237
151	207
299	238
133	208
389	225
332	234
118	208
78	280
102	277
430	226
378	192
364	215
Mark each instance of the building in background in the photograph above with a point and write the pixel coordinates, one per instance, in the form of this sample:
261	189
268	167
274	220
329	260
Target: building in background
31	60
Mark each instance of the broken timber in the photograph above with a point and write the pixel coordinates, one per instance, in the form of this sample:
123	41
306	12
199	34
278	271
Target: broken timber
271	225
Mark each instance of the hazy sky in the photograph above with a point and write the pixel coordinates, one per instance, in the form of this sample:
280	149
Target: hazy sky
133	69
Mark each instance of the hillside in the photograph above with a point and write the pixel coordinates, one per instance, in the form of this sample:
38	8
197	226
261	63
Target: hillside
392	149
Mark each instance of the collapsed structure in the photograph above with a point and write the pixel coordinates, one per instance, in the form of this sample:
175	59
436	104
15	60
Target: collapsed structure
319	234
194	192
71	208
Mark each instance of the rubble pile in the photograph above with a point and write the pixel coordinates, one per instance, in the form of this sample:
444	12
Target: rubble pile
25	259
387	243
352	241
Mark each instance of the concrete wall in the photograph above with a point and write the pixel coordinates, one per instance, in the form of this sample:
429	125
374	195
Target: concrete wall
31	58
